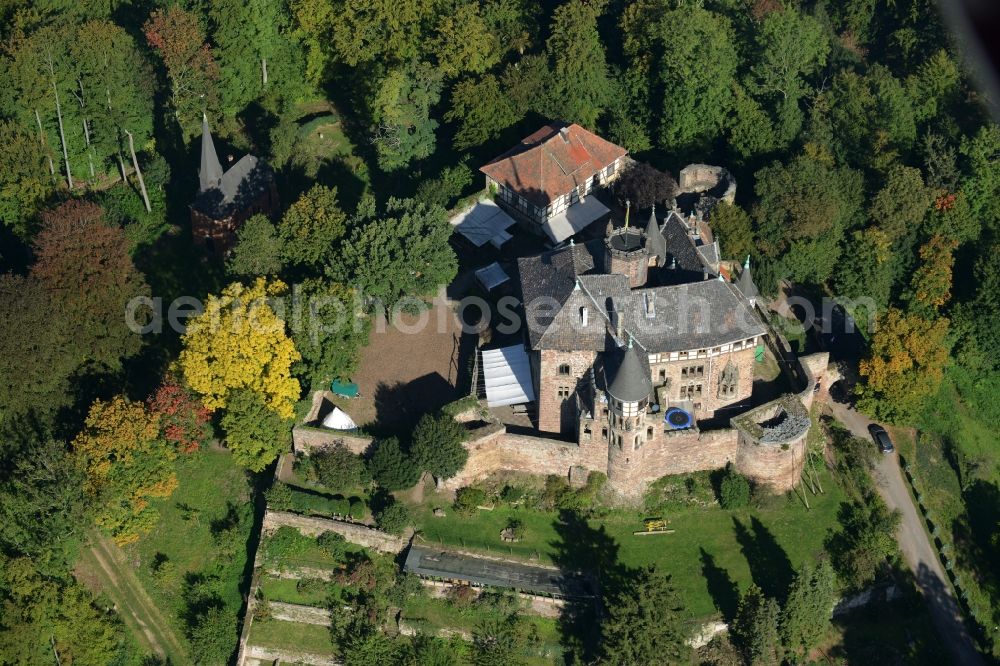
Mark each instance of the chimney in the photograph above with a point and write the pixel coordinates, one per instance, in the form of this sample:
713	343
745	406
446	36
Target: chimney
704	272
564	133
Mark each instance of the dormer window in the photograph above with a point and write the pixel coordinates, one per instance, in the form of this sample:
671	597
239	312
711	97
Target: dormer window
584	316
650	305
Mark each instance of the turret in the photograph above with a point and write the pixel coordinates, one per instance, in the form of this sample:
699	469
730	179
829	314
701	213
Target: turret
628	389
211	170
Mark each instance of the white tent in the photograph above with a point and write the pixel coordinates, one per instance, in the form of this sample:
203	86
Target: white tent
574	219
339	420
507	375
484	222
491	276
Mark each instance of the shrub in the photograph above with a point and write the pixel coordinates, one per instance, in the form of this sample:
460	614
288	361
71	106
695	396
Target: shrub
342	506
279	497
311	586
339	469
332	544
357	509
734	490
516	527
393	518
511	494
468	499
286	542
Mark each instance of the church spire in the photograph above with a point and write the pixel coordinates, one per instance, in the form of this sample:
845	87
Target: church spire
656	244
211	170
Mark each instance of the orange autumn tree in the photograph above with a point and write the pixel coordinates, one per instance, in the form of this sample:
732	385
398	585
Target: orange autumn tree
905	365
125	462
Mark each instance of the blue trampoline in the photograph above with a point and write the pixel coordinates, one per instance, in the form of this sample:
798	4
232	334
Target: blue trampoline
677	418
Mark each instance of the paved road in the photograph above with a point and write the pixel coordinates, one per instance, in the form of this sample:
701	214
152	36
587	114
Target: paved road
917	550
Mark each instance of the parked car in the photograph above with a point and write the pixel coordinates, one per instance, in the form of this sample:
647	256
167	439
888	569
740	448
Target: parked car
881	438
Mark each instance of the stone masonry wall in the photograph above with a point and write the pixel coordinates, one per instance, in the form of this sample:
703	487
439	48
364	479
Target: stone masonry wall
671	371
775	465
307	438
555	411
312	526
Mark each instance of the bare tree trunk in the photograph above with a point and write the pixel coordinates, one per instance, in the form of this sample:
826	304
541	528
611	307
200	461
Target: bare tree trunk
86	131
62	134
41	138
121	164
138	173
263	69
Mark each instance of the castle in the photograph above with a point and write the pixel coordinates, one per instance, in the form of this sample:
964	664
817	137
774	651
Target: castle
641	346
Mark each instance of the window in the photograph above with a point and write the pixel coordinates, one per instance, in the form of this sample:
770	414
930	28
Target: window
682	355
563	392
636	445
663	374
729	381
604	433
693	371
564	369
690	391
649	432
697	406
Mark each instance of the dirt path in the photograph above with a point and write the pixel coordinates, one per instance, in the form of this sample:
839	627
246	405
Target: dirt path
917	550
137	609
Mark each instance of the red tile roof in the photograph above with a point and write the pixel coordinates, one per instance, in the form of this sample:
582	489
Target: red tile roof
549	163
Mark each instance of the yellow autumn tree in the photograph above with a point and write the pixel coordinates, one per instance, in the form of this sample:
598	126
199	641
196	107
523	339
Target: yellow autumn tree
239	343
125	463
932	279
905	365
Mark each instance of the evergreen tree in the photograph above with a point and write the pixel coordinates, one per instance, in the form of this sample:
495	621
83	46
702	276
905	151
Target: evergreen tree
580	87
644	622
258	250
755	629
806	615
437	445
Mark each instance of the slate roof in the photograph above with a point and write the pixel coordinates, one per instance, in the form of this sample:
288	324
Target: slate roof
630	376
240	186
211	171
656	244
689	265
746	284
709	253
552	161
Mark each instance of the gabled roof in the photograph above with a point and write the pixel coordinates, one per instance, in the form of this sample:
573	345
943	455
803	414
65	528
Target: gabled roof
552	161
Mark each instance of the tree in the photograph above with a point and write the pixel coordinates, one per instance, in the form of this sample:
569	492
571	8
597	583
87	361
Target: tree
580	87
497	640
211	634
802	212
258	250
252	45
404	253
465	42
933	86
184	421
482	109
84	265
179	38
932	280
866	540
37	353
404	129
391	468
697	72
806	615
734	490
643	622
311	227
43	613
982	184
381	32
42	509
732	228
899	208
125	463
437	445
905	365
868	267
330	333
339	469
255	433
393	518
238	342
755	629
644	185
25	182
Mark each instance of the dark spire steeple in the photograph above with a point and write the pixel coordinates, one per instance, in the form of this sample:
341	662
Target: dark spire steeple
631	382
656	244
211	170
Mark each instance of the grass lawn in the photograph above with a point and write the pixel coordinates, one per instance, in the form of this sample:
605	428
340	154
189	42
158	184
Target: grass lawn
292	636
212	490
287	590
711	551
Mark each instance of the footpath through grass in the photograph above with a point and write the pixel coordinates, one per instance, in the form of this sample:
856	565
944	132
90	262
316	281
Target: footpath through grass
711	554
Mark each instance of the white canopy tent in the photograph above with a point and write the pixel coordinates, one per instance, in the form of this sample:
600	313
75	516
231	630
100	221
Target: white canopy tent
491	276
339	420
484	222
507	375
574	219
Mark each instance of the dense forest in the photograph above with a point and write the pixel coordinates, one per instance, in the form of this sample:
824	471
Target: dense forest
868	168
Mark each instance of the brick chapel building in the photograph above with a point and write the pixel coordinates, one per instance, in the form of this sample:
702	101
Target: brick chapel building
226	199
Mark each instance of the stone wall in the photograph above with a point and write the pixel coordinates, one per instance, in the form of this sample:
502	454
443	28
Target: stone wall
671	373
312	526
306	438
556	413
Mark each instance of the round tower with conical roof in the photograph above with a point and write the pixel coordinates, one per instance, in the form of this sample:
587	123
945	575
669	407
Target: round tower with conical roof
628	390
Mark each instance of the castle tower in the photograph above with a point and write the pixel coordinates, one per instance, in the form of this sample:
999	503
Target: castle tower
628	389
626	253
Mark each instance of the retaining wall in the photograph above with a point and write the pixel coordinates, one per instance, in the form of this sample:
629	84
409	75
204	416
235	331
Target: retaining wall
313	526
